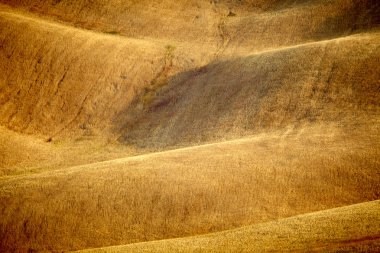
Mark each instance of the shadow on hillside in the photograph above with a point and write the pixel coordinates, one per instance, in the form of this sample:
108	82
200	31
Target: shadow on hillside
314	84
360	17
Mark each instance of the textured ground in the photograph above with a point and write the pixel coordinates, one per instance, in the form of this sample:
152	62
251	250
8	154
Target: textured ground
134	121
344	229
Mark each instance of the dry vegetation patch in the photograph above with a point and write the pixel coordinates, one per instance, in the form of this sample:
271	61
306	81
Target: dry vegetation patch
346	229
270	109
336	82
187	191
70	82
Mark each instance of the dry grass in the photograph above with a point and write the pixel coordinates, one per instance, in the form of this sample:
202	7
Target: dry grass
57	86
306	21
21	154
139	87
337	82
188	191
346	229
293	85
179	20
286	22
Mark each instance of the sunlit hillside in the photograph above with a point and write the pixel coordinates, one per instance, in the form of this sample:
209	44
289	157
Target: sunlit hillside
345	229
232	126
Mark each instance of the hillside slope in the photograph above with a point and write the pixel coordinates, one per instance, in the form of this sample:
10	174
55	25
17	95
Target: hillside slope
152	93
24	154
337	82
188	191
256	24
346	229
221	113
71	82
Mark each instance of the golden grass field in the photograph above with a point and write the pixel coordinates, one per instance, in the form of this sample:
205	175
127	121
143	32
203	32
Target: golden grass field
190	126
341	229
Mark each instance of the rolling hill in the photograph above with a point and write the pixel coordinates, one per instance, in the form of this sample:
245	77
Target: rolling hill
166	194
344	229
125	122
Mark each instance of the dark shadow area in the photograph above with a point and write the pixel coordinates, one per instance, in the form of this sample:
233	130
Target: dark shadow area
258	93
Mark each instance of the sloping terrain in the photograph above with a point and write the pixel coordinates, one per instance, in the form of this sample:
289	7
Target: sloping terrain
57	83
265	91
188	191
22	154
142	83
345	229
243	22
129	121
